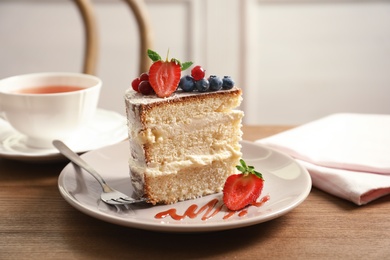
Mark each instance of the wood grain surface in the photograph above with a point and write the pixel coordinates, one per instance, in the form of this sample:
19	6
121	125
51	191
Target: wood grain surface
37	223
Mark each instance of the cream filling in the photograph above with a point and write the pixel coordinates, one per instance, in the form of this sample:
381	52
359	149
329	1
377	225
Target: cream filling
191	161
157	133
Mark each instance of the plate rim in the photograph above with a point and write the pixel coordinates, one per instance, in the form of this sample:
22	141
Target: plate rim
195	227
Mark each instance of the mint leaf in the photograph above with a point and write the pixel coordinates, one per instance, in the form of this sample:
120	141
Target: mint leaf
245	169
176	61
240	168
186	65
153	55
243	163
258	174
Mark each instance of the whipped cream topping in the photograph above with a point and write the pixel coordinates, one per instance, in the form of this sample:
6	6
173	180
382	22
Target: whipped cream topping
136	98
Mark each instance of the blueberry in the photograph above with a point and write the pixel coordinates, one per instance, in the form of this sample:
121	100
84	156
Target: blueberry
215	83
187	83
227	82
202	85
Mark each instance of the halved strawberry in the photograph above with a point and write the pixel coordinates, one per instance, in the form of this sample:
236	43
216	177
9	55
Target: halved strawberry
164	76
242	189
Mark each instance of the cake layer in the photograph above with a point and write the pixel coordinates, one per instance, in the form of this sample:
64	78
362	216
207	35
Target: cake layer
146	111
163	143
189	183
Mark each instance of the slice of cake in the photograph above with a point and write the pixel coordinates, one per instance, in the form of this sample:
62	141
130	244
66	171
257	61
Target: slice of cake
183	146
183	131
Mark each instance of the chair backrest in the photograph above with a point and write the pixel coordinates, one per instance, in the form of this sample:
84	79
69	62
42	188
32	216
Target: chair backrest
91	52
91	38
139	9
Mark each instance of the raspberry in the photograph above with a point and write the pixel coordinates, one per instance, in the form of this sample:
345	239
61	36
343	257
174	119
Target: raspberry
135	84
144	76
145	88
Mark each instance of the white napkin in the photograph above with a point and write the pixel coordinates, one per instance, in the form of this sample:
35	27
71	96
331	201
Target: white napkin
347	155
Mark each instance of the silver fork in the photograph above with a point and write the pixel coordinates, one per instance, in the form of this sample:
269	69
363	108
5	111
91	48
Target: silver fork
109	195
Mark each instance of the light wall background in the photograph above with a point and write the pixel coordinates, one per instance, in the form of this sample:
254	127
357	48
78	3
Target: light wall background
296	60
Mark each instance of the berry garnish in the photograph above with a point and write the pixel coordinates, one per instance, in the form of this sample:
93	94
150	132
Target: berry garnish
202	85
198	72
227	82
242	189
144	76
135	83
145	88
187	83
215	83
164	76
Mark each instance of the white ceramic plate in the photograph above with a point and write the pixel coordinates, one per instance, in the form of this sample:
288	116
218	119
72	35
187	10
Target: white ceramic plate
287	184
106	128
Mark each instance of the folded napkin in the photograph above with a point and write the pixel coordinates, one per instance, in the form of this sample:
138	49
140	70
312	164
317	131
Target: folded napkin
347	155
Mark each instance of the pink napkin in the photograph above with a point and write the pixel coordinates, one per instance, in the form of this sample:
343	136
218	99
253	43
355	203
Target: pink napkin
347	155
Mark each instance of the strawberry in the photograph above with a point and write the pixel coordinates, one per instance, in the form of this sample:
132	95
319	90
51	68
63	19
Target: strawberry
242	189
164	76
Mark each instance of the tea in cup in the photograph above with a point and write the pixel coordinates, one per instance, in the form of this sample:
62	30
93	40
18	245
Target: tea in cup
48	106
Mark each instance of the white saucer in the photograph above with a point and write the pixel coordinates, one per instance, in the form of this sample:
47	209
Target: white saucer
106	128
287	184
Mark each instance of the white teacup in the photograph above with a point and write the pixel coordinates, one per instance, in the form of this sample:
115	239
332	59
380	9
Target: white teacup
47	106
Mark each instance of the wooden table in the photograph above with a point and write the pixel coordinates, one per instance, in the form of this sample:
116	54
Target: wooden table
37	223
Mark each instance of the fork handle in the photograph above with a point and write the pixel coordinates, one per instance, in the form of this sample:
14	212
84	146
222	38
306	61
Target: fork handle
76	159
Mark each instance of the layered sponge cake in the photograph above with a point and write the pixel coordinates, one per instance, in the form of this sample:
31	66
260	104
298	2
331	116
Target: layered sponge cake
183	146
